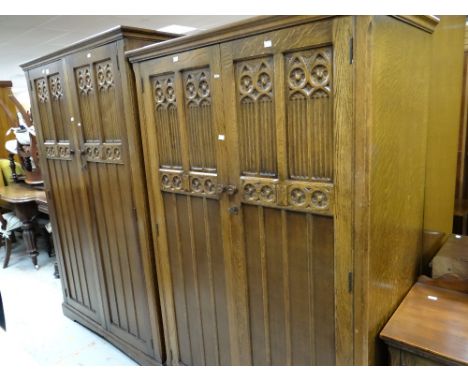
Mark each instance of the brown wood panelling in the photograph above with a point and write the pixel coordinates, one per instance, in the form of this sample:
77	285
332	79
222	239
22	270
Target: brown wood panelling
65	189
394	114
8	118
106	172
444	123
90	139
291	287
182	106
311	155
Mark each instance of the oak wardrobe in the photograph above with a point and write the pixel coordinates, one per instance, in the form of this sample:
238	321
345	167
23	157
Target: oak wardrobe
285	166
93	173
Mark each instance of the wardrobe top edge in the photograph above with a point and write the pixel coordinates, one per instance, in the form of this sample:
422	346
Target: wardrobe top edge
249	27
110	35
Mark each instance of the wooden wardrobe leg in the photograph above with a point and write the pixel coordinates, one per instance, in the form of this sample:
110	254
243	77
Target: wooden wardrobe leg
7	252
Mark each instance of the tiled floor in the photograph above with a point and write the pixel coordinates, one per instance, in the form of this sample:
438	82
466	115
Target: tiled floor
35	322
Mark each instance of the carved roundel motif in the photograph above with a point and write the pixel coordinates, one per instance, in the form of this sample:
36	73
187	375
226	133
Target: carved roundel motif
177	182
203	88
117	153
42	92
246	85
210	187
105	78
298	196
95	152
170	92
319	199
84	81
159	92
196	185
264	81
63	152
50	151
109	153
250	192
190	88
319	75
297	78
266	193
166	182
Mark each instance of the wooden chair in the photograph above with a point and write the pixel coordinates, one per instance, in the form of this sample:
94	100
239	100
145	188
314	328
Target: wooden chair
8	224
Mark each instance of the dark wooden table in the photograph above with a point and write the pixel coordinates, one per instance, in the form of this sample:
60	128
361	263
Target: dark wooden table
25	201
430	327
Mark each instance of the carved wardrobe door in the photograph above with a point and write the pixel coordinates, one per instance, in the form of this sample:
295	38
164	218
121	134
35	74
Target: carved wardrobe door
281	91
183	135
105	163
64	184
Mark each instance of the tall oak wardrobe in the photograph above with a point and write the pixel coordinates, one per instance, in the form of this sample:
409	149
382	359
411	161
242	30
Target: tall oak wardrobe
93	173
284	164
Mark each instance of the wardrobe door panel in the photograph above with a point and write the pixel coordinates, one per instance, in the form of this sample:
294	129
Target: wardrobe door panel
105	162
279	90
66	192
185	159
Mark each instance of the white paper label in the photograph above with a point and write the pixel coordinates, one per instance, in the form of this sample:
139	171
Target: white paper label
221	137
267	44
72	119
47	71
216	75
175	58
88	55
433	298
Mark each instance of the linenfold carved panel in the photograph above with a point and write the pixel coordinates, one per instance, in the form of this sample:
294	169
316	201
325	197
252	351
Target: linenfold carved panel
103	152
256	117
309	114
83	79
57	150
105	76
56	90
167	121
311	197
200	129
42	91
201	184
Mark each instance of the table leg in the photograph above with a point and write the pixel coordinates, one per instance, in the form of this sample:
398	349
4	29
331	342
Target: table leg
30	241
26	213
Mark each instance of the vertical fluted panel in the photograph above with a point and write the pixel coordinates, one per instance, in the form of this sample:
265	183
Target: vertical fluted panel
256	122
167	123
310	114
290	281
199	124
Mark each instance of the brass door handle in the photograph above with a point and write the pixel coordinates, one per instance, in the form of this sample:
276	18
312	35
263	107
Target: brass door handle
229	189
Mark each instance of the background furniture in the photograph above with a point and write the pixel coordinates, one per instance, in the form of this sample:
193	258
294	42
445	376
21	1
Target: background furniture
445	94
91	161
22	200
461	183
452	258
461	195
285	161
8	117
9	223
429	328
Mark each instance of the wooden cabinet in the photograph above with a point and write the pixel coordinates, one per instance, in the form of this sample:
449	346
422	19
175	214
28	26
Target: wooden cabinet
92	162
285	164
429	328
